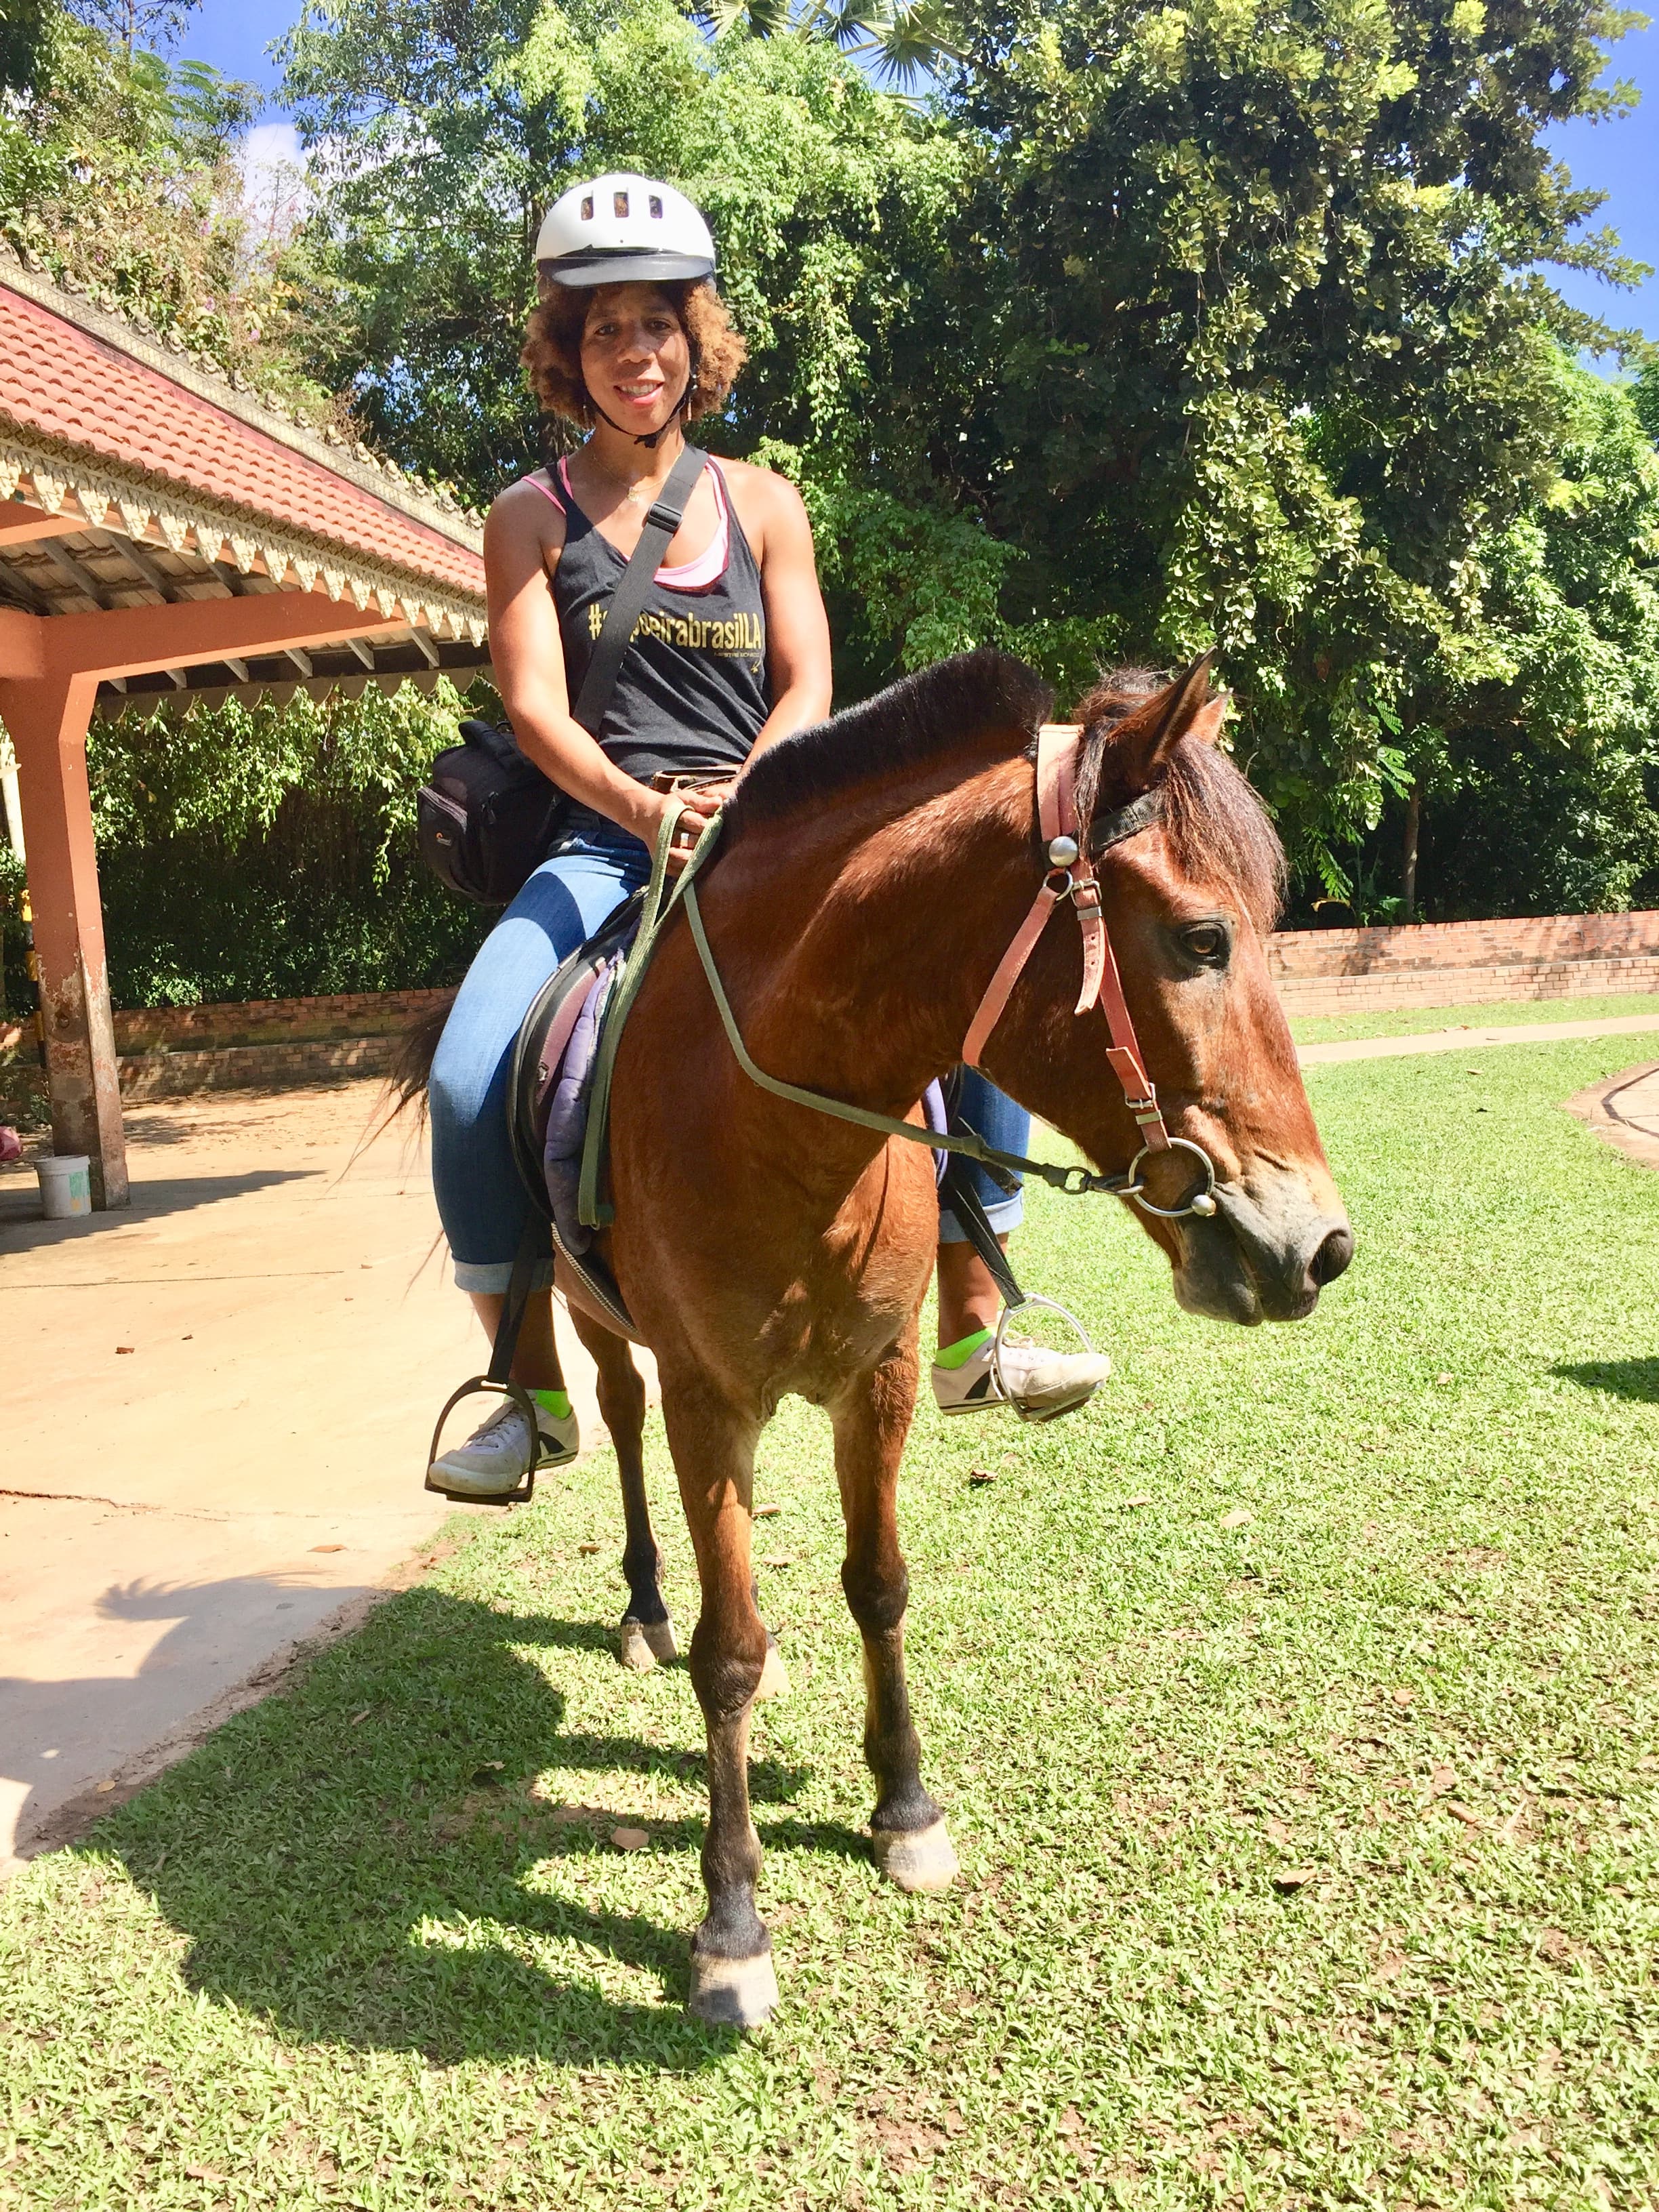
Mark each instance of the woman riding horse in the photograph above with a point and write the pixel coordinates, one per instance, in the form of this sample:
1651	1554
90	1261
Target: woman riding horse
631	340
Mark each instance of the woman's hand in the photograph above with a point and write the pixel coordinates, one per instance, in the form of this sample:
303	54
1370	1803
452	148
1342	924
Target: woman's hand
695	810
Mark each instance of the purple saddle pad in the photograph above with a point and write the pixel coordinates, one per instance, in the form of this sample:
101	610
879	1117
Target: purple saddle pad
567	1111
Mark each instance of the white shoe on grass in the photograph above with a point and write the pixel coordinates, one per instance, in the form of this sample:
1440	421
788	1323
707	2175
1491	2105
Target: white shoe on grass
496	1458
1047	1383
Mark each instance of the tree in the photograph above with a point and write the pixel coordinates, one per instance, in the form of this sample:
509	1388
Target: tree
1259	360
135	25
1543	765
118	175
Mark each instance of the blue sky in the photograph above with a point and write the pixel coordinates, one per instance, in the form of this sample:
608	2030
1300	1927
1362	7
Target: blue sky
1620	159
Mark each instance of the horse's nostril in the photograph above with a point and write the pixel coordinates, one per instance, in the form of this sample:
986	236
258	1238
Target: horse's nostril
1331	1257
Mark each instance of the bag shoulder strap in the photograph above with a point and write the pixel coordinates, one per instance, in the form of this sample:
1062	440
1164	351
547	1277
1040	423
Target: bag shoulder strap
627	600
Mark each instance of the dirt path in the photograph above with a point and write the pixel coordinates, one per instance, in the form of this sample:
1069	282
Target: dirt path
216	1408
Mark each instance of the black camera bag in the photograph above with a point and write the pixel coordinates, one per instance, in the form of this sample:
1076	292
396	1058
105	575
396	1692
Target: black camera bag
488	817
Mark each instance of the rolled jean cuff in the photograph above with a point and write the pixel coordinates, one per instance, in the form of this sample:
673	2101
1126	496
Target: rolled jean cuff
1005	1217
490	1278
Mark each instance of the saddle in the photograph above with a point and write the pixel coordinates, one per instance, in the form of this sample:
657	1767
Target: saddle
547	1094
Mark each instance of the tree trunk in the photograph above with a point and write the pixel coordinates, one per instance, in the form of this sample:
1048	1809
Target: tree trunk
1408	870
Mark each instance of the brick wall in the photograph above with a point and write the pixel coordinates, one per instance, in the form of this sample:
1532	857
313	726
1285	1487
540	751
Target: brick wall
270	1021
1465	986
1547	940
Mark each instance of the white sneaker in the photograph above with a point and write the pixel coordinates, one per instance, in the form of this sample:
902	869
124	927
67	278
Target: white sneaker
496	1458
1047	1383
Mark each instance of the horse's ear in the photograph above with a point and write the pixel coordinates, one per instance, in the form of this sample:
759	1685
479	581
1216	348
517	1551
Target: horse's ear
1141	743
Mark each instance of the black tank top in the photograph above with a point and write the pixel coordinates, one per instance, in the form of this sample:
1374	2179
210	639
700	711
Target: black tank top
693	691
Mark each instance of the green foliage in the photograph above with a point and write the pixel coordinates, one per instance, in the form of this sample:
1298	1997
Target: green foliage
270	853
1539	753
1273	375
118	177
26	42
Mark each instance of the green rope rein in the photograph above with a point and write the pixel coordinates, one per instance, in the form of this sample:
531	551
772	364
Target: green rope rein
657	913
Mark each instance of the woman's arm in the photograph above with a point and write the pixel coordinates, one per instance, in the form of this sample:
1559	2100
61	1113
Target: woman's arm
522	530
797	627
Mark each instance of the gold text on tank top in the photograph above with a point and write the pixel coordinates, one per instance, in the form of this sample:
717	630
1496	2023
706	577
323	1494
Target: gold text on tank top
743	633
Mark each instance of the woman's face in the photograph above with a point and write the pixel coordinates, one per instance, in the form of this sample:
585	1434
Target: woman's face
635	357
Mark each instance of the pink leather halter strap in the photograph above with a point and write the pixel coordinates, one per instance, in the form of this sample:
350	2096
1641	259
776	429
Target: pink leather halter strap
1072	876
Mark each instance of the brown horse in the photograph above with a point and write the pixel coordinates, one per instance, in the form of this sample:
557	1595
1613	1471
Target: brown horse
871	874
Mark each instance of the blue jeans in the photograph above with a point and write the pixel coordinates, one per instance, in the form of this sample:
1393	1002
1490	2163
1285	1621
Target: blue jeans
481	1200
1001	1122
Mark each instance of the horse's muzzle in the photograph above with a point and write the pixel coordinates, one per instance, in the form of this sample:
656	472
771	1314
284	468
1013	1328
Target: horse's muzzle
1266	1254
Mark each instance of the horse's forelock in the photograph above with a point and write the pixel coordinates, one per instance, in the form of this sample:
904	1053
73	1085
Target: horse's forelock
1215	820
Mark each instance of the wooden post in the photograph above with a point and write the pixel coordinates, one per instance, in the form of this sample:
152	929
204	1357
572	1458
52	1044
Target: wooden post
47	717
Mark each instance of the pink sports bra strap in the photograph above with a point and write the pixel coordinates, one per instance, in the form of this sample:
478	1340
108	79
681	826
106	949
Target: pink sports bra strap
691	575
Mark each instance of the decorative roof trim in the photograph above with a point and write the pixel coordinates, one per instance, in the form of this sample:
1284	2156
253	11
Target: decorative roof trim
132	505
113	706
395	489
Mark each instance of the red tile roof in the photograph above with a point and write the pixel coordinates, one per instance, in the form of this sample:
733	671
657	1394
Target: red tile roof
60	381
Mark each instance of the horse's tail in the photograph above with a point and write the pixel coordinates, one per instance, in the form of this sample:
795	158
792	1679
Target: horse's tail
412	1055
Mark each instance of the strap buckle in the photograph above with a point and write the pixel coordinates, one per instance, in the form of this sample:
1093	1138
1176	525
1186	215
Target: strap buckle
664	517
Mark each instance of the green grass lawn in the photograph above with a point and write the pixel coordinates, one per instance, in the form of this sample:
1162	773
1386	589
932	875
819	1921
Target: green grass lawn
1501	1014
1309	1857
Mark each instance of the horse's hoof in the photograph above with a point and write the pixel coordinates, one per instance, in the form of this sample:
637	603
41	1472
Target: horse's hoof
645	1642
733	1992
924	1860
774	1677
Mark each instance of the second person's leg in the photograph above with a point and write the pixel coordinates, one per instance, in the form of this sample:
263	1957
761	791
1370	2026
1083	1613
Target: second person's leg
969	1302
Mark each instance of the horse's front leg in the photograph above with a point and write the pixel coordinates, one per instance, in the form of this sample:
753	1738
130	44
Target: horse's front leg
732	1980
912	1843
647	1632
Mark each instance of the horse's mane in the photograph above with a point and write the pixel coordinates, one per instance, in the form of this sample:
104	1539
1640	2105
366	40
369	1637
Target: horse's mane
1214	818
911	722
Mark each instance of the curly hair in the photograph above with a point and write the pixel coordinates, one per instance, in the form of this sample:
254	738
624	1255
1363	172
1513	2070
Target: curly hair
552	351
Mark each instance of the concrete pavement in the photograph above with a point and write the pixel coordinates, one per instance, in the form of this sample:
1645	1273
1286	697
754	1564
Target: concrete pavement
215	1409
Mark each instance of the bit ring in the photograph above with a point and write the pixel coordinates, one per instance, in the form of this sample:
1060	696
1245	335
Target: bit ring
1201	1203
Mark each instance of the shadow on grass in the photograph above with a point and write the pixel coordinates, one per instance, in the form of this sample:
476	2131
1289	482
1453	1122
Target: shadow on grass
350	1860
1621	1378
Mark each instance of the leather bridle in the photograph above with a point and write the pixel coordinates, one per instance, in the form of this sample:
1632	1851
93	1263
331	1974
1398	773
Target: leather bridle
1072	876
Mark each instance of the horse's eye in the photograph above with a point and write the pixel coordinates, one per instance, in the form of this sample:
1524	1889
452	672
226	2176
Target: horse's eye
1208	943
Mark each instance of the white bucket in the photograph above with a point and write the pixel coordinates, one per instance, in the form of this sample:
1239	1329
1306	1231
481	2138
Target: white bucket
65	1185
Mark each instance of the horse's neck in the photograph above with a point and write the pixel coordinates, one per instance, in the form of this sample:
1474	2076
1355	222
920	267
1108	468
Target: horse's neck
863	945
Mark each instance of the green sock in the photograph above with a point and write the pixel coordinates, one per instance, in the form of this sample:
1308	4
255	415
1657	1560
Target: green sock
556	1402
959	1353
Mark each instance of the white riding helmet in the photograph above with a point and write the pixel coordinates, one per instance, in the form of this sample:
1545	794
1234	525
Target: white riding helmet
624	229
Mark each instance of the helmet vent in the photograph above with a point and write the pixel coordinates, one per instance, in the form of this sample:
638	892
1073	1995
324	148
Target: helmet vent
656	207
587	208
619	201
